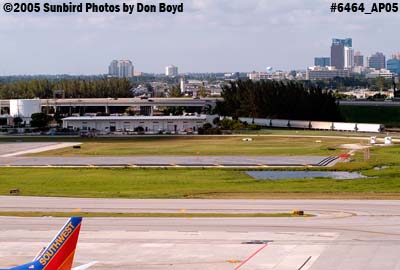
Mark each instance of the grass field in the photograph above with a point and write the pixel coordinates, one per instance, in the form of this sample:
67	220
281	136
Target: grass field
223	145
206	183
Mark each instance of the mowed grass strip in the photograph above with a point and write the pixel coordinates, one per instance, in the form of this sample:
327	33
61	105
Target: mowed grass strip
151	215
188	183
203	146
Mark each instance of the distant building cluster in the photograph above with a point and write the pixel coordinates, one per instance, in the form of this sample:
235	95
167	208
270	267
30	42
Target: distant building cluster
344	62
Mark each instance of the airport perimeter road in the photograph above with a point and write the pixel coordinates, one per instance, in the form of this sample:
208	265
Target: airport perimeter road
356	235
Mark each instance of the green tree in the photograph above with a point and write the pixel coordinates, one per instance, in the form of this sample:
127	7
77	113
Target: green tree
380	83
175	91
40	120
17	121
280	100
203	92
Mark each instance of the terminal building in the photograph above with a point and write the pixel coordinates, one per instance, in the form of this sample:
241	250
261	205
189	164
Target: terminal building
148	124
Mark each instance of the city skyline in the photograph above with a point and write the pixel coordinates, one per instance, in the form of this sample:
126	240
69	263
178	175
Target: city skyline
210	36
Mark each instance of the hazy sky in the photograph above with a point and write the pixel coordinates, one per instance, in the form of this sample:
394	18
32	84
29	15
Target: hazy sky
211	35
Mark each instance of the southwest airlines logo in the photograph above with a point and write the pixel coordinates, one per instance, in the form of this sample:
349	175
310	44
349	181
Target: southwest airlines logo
57	243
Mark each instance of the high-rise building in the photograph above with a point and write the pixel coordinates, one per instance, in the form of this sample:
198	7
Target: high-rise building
348	57
121	69
322	61
337	51
171	71
125	69
377	61
183	86
394	65
113	68
358	60
347	42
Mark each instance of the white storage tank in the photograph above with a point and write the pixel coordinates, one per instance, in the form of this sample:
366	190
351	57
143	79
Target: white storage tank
258	121
246	119
262	122
24	108
344	126
369	127
300	124
321	125
280	123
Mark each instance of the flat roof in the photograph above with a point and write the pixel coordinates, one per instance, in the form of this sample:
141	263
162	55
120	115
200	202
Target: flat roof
119	118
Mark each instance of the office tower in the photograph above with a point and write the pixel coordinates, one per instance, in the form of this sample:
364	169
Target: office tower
121	69
377	61
348	57
322	61
347	42
358	60
393	65
337	51
171	71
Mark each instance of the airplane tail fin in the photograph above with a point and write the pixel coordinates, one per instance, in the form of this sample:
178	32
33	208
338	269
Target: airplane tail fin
59	254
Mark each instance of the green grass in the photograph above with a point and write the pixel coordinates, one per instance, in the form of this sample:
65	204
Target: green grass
388	116
205	183
210	183
150	215
223	145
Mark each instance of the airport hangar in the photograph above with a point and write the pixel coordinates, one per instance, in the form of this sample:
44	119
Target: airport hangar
152	124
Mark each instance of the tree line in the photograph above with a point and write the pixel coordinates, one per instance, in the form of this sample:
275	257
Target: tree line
279	100
68	88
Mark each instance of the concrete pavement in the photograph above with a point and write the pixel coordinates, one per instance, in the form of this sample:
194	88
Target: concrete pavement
346	235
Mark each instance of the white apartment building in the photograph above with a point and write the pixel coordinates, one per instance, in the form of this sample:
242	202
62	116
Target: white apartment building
121	69
384	73
348	57
171	71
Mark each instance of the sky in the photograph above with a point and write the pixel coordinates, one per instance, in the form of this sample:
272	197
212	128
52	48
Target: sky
210	36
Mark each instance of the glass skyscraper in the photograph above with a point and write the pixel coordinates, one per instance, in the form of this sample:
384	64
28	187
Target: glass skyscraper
322	61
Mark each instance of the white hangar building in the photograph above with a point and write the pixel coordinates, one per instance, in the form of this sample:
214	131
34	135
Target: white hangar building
130	123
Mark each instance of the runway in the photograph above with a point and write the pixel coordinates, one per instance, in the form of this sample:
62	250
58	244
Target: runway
170	161
345	234
14	155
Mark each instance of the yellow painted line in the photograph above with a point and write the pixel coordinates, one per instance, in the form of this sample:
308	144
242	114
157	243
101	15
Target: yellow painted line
234	261
77	210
